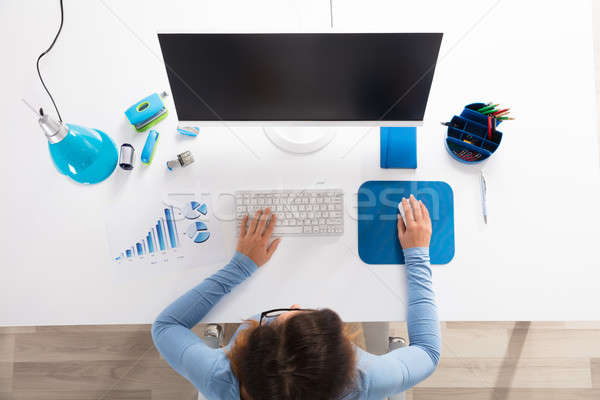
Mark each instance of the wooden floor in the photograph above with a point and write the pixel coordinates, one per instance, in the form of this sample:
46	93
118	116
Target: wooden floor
495	361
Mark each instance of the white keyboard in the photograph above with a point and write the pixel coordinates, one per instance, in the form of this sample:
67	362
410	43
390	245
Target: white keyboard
299	212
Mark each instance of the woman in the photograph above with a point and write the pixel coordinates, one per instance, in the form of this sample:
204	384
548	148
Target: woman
301	354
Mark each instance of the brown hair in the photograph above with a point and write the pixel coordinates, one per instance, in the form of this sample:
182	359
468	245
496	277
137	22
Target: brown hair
307	356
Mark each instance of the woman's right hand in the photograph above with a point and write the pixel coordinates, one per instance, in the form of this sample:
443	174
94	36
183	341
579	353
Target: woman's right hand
417	231
255	237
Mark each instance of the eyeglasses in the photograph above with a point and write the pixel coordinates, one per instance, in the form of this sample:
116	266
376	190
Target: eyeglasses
276	312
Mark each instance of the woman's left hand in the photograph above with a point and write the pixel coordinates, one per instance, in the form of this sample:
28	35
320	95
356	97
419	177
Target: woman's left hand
254	238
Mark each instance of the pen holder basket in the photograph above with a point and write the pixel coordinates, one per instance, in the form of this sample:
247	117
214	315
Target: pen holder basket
467	138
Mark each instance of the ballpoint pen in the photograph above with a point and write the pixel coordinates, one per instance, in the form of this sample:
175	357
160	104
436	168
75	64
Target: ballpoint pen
483	196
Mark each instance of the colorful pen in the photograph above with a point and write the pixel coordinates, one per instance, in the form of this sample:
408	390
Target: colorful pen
487	107
492	111
502	111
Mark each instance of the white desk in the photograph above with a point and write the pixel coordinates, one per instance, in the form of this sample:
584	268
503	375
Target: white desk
529	263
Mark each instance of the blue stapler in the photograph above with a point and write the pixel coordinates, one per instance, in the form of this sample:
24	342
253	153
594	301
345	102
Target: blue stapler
149	147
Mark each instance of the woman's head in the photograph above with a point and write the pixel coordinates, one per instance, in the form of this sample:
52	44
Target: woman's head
301	355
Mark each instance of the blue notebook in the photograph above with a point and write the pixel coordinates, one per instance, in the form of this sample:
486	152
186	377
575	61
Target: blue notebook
398	147
377	216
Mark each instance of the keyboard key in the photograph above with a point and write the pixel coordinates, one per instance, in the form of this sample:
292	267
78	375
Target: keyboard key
287	230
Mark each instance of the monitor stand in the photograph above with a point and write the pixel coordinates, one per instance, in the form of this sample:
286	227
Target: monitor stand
300	139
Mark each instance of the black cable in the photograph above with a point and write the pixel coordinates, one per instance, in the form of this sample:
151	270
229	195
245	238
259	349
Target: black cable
46	52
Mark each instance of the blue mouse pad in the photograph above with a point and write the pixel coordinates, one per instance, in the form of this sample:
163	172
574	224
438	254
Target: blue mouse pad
377	218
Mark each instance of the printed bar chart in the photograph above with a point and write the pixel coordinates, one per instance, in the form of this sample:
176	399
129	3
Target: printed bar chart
156	239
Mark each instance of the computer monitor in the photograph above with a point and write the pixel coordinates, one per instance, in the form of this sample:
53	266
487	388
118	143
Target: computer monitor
300	79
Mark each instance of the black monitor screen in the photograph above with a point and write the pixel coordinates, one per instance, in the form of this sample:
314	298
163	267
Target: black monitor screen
300	77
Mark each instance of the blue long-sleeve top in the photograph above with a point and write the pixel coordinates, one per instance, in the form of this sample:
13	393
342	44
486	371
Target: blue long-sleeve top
378	376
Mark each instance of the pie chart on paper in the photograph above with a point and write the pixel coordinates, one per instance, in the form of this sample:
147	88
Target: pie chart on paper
198	232
194	209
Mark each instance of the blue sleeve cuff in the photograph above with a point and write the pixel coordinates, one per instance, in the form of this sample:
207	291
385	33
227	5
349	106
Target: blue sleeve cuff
416	255
244	263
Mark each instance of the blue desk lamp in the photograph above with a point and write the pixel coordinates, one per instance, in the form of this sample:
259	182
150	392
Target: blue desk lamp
83	154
